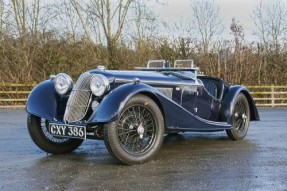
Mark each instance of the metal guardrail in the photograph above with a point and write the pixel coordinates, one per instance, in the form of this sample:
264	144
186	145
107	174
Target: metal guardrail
15	95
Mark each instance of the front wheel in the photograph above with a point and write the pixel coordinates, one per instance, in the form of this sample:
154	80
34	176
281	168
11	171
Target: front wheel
38	130
137	135
240	117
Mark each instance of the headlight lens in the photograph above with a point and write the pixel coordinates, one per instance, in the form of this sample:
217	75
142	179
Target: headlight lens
99	84
63	83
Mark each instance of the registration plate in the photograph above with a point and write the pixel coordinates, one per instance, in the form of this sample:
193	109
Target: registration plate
64	130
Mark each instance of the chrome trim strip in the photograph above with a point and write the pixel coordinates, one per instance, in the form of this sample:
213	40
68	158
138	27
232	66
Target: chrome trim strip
160	83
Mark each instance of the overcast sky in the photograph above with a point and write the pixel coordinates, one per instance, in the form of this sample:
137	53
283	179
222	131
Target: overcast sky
241	9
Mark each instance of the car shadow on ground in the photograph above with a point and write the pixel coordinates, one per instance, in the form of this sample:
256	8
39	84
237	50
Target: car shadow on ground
95	153
186	153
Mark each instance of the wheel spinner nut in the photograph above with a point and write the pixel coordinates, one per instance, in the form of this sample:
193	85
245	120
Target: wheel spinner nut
140	131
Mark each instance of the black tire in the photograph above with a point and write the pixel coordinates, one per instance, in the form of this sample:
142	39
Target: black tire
40	135
240	117
137	135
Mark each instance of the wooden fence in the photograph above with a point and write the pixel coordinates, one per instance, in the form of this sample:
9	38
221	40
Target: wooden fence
269	96
15	95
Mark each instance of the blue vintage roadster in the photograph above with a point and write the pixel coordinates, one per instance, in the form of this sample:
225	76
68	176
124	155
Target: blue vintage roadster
133	110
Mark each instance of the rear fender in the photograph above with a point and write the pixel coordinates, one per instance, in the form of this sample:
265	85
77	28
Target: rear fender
113	103
228	104
44	101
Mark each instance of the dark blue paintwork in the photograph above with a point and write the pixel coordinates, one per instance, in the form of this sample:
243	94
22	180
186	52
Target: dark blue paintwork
178	118
44	101
114	102
190	106
228	103
144	76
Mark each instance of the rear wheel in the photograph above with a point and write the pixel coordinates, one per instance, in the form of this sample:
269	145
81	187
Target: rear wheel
137	135
240	117
38	130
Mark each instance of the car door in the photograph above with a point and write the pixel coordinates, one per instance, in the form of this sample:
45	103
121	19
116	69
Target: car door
198	101
203	103
189	96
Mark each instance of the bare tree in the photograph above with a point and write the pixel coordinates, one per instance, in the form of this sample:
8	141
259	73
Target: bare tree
109	22
2	16
141	31
271	29
142	22
183	37
111	16
79	10
238	33
270	21
206	21
20	15
30	17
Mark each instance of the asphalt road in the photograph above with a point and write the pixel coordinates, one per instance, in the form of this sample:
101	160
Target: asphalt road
189	161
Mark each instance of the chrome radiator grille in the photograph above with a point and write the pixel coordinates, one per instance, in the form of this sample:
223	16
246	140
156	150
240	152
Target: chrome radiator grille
79	99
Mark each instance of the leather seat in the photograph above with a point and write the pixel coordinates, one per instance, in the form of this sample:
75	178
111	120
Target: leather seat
213	86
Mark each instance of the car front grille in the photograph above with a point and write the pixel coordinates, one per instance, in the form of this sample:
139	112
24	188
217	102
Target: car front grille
79	99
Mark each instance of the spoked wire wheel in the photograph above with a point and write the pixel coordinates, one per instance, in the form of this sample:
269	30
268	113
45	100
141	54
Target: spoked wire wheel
138	133
241	118
136	129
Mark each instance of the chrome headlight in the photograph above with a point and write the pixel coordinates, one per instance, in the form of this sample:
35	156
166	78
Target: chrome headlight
63	83
99	84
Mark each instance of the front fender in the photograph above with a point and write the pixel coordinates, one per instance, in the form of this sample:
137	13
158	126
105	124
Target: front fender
228	104
114	102
44	102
